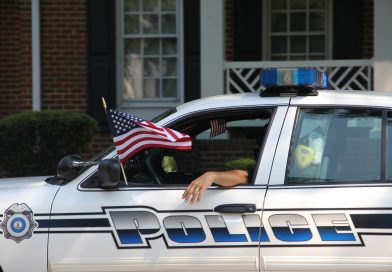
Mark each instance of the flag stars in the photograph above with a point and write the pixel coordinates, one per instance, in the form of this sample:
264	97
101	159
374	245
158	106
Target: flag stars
123	122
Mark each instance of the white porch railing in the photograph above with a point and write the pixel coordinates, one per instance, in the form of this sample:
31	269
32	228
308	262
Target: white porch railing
342	74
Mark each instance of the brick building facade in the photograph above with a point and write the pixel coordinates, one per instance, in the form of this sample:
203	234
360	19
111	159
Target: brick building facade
68	79
63	56
64	52
63	59
15	56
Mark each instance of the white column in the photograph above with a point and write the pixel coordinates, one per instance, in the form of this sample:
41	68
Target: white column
382	45
36	54
212	47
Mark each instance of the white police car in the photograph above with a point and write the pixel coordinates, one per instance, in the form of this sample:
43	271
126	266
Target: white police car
319	197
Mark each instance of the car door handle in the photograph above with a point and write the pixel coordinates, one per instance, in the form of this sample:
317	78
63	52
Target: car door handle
236	208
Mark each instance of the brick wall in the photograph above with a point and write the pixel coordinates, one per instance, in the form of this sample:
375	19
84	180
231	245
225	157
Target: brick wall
367	29
15	56
229	29
64	60
63	55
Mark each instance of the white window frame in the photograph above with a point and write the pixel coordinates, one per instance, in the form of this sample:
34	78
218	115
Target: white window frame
266	52
155	102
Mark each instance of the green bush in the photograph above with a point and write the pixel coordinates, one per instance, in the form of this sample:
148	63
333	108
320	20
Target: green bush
243	163
31	143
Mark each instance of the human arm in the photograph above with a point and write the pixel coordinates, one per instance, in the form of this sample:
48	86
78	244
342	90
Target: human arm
196	188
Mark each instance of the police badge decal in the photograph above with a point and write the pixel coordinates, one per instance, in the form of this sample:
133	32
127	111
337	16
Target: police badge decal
18	223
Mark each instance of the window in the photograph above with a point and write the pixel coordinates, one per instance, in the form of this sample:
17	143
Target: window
150	48
336	145
238	147
298	29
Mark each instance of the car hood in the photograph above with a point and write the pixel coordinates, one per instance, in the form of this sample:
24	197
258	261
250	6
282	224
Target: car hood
32	191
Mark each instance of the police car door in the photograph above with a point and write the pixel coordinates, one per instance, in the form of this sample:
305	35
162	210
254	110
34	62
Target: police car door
329	208
147	226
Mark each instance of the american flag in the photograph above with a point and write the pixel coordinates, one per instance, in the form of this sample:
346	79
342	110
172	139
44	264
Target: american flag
218	126
132	134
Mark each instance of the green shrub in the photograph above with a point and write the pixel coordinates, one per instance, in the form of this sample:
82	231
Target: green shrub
31	143
243	163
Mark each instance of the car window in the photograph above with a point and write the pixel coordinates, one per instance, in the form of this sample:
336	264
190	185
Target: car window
234	143
336	145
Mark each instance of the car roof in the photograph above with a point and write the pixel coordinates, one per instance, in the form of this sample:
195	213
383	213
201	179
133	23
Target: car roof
345	98
233	100
325	97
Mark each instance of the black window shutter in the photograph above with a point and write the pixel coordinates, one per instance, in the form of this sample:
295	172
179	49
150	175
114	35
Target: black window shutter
100	58
247	30
347	29
191	50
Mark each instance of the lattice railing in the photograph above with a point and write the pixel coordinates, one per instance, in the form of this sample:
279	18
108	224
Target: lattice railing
342	74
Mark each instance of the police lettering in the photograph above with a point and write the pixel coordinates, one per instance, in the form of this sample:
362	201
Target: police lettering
135	228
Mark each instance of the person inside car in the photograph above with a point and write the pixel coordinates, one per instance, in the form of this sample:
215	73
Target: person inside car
224	178
230	178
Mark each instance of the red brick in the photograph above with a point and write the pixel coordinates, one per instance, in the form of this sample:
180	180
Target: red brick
367	29
229	10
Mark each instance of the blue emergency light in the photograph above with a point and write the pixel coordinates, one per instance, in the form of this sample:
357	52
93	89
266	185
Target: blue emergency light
304	80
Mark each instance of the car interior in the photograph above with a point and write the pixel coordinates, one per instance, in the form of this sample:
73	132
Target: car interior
239	146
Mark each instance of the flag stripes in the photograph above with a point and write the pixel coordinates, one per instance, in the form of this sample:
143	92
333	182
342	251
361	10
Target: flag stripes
218	126
132	134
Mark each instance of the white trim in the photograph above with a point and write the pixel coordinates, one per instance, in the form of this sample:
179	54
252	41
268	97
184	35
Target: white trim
338	73
310	263
211	47
382	45
268	152
36	55
140	36
282	150
295	64
382	25
157	264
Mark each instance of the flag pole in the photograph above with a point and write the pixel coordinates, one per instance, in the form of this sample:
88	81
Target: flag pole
122	167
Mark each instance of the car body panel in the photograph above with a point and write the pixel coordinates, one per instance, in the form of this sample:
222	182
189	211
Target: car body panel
365	244
302	227
158	252
237	250
29	254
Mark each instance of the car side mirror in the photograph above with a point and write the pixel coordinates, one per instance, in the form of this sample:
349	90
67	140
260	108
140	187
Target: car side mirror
69	166
109	173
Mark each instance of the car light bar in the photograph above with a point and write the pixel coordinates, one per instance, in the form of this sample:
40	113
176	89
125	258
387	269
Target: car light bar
292	82
306	77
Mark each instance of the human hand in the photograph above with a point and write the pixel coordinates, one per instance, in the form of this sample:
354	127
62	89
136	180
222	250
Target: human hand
196	188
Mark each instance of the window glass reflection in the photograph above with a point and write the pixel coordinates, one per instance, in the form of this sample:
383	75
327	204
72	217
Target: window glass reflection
336	145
